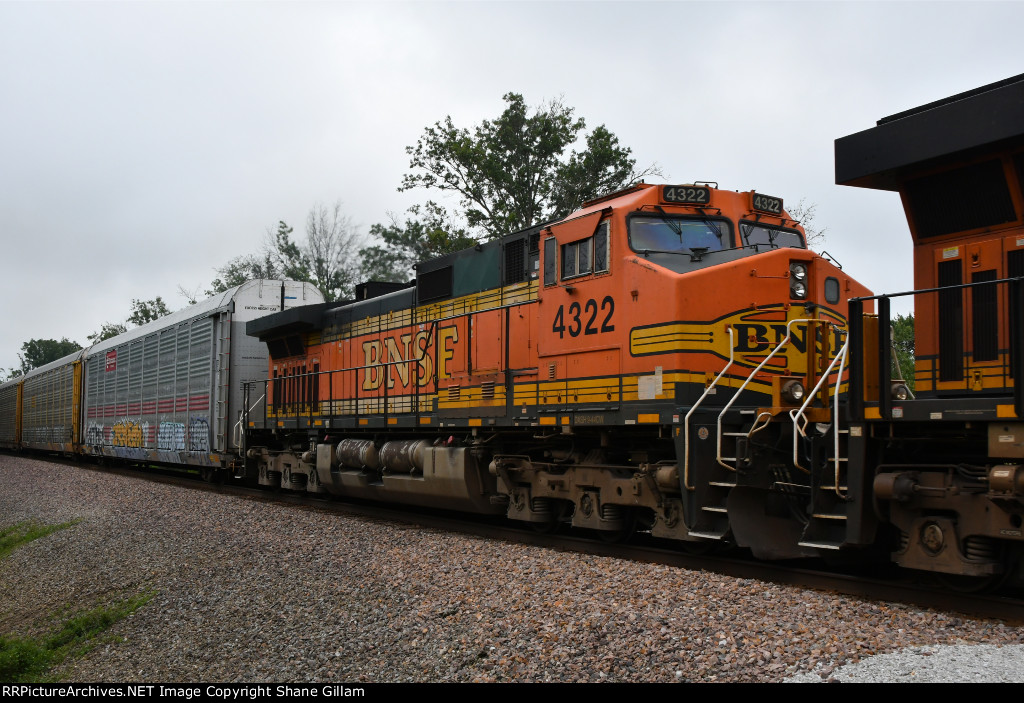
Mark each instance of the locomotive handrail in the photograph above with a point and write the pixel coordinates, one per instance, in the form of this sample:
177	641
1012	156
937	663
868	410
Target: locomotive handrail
686	420
884	350
835	420
800	419
330	373
242	416
938	289
746	382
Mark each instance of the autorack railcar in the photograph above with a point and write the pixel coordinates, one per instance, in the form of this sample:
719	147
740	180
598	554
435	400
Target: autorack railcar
169	391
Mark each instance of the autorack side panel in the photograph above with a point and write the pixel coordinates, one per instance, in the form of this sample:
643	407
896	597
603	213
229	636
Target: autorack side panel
164	392
49	404
10	414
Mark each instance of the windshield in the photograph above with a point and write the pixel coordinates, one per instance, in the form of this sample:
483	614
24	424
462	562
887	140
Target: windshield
675	234
770	236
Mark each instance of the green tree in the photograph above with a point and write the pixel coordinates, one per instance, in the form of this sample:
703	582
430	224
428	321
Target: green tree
249	267
38	352
144	311
903	345
519	169
426	234
108	330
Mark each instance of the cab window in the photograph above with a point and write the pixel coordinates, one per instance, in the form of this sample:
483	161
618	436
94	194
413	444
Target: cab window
677	235
585	256
762	235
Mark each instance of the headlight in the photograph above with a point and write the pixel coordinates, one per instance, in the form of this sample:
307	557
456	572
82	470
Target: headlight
793	392
797	280
899	391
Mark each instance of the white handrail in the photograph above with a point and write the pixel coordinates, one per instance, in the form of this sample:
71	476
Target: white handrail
686	420
237	434
750	377
797	415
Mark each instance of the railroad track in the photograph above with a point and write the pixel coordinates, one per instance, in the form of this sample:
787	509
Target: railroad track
926	592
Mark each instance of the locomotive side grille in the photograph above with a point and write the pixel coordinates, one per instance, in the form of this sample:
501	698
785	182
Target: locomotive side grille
951	322
962	199
984	310
515	261
454	392
435	285
487	390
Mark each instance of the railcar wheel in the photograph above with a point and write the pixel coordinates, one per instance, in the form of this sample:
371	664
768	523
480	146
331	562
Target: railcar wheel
699	548
623	533
209	474
971	584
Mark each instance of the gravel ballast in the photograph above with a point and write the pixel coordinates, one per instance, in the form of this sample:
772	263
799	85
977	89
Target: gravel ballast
252	591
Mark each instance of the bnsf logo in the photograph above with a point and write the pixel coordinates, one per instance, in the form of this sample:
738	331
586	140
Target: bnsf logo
406	359
754	338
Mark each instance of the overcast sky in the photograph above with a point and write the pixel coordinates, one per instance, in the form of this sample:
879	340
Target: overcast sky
142	144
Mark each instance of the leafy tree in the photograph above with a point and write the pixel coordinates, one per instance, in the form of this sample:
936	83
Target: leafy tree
903	345
108	330
240	269
428	233
38	352
144	311
515	171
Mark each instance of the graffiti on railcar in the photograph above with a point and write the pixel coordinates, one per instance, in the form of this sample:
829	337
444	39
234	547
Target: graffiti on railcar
128	433
171	436
198	434
95	435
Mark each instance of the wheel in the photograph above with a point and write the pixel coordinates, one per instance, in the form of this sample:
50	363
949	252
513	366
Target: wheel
622	534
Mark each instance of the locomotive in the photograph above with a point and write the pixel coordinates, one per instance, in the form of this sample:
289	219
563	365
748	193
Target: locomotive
669	358
940	474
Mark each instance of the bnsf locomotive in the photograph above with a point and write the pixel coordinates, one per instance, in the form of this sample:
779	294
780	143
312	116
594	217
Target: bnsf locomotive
670	358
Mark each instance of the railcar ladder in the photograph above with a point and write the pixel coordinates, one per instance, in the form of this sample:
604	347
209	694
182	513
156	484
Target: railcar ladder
223	381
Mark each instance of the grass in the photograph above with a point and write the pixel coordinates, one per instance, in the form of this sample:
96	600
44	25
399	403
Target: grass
24	532
29	659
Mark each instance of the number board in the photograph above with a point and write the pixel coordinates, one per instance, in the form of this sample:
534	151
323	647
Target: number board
688	195
766	203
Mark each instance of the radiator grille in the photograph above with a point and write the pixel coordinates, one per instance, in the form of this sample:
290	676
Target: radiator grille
984	311
951	322
515	261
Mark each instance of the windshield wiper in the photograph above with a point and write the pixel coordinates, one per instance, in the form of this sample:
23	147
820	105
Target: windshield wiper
695	253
